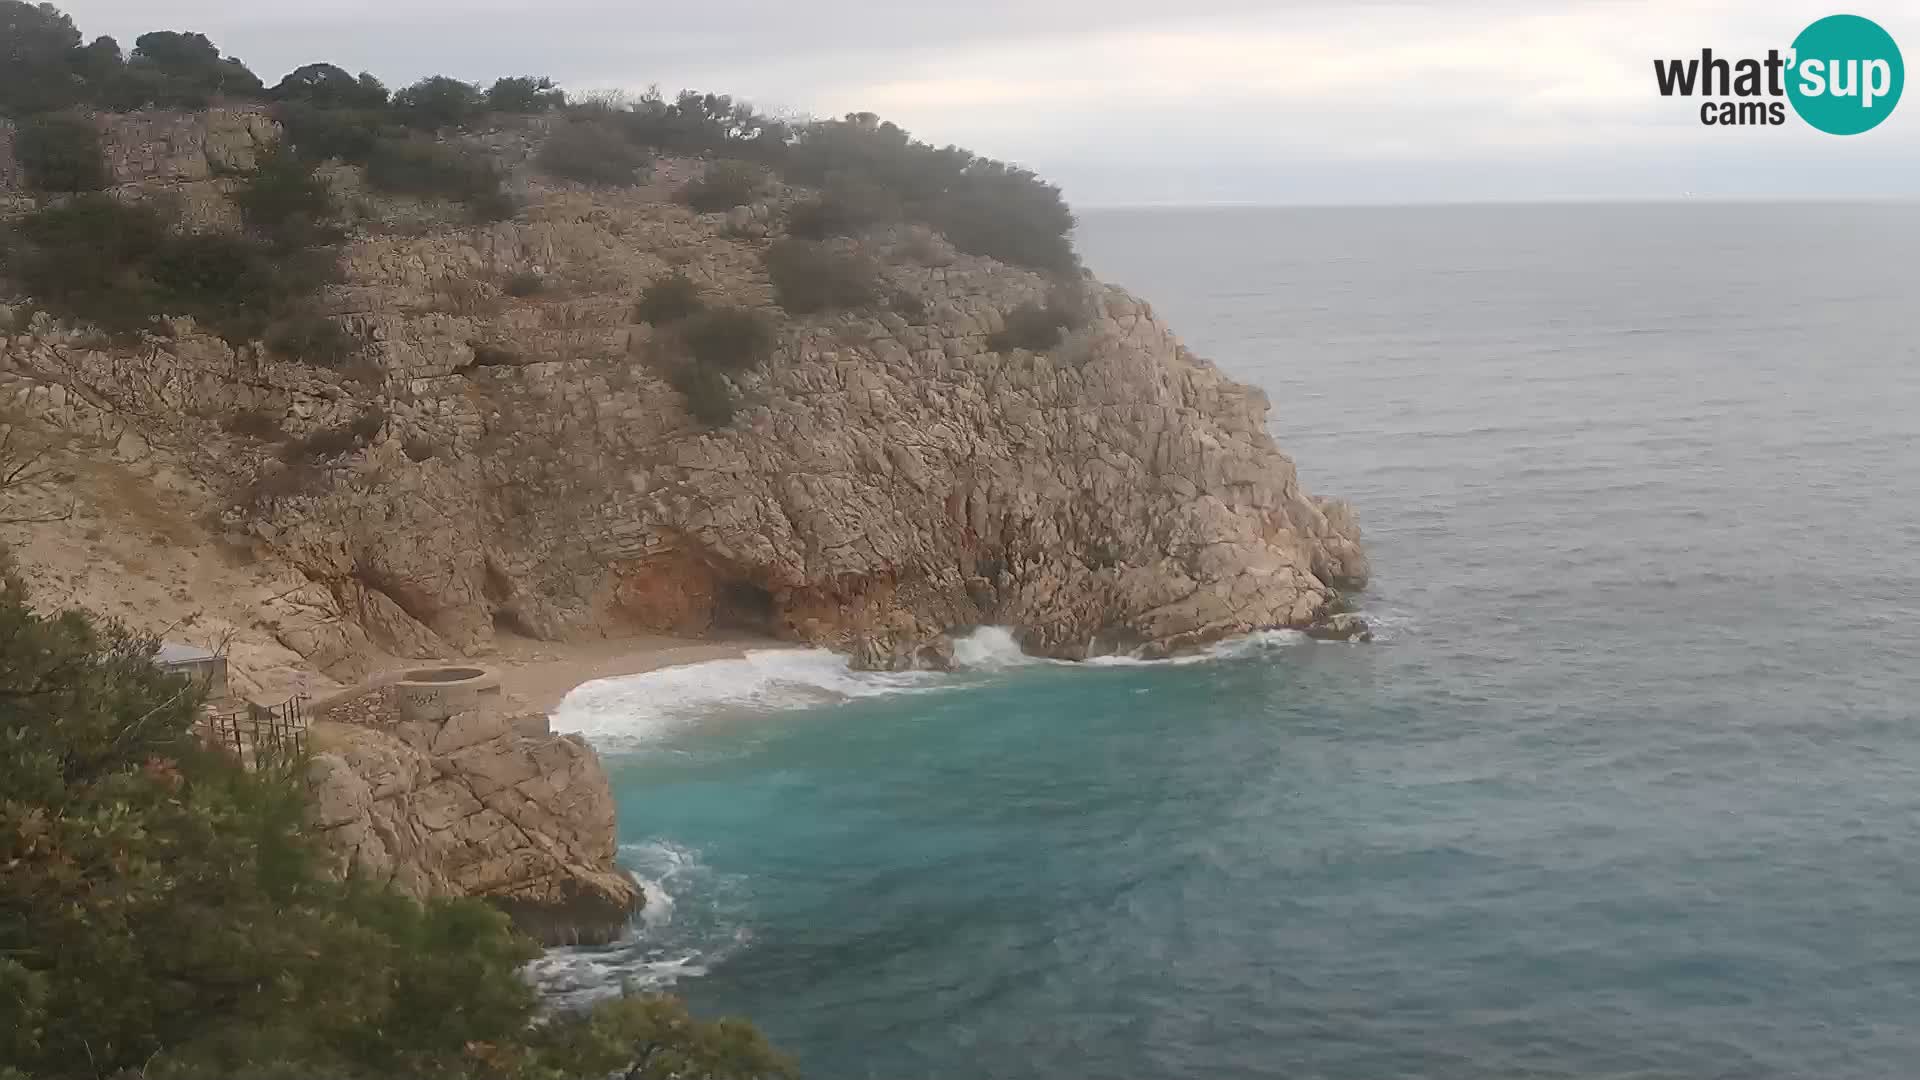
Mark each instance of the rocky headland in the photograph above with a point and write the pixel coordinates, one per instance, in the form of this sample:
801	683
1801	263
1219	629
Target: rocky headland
509	454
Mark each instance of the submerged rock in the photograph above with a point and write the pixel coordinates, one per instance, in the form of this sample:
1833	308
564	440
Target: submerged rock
1344	626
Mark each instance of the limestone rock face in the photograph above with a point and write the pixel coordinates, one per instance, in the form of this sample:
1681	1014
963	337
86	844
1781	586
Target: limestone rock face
474	806
889	477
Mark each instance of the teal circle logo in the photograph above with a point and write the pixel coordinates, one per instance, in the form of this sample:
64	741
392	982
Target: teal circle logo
1846	75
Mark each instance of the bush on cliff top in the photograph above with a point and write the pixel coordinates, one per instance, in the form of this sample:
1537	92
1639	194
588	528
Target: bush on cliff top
985	207
166	914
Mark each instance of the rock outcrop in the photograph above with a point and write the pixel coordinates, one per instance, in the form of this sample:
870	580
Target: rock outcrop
476	805
891	476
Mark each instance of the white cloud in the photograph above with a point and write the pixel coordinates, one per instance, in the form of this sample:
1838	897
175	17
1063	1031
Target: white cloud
1148	100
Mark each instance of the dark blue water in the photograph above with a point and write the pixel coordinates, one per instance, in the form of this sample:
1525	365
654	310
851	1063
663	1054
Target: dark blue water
1632	788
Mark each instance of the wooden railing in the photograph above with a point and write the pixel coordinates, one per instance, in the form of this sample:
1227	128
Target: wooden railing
259	735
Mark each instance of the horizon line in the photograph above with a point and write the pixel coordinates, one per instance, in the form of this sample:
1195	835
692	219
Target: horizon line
1415	204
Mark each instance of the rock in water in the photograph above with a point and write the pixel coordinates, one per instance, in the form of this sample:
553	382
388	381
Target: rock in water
474	806
1344	626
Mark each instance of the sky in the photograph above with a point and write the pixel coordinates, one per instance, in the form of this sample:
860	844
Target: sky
1160	102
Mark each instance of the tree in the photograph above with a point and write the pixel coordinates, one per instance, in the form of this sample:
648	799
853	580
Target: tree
163	912
36	47
524	94
186	69
99	62
24	467
438	102
330	87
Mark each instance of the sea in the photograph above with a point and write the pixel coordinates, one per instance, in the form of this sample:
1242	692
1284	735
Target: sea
1628	787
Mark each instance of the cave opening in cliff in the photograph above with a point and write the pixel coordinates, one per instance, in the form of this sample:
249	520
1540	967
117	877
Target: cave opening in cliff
742	605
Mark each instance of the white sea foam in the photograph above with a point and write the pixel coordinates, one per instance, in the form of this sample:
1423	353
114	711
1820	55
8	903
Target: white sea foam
633	710
990	648
636	708
1235	648
664	947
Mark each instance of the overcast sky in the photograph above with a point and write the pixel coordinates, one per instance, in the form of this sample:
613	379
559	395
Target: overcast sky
1159	101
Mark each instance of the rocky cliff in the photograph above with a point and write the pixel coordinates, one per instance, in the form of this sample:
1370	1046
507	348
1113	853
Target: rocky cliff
524	465
478	804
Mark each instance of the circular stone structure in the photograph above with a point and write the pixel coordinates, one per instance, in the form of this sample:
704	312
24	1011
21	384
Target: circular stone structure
432	694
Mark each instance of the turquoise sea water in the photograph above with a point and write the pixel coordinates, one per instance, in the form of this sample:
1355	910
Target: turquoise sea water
1630	787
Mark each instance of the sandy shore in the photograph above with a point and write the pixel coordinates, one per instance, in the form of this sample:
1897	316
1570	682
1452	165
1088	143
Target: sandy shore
540	673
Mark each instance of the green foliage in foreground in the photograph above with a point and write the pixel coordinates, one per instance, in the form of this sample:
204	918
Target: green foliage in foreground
162	913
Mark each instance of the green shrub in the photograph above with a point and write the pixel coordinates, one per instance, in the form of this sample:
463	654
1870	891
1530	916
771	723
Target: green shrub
284	202
809	277
729	339
604	1043
985	207
82	260
668	298
696	123
431	169
320	134
710	397
330	87
849	206
184	70
227	283
438	102
1028	326
1040	327
254	424
723	186
525	283
39	51
120	267
907	304
1008	214
61	152
308	337
524	94
593	153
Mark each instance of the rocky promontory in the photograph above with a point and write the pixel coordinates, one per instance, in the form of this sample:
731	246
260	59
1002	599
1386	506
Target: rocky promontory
478	803
521	463
473	424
